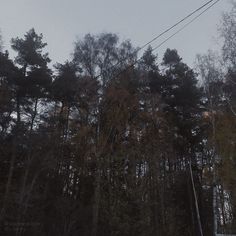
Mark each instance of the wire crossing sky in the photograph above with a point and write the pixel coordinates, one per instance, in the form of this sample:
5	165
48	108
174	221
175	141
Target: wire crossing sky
61	22
205	8
177	23
212	3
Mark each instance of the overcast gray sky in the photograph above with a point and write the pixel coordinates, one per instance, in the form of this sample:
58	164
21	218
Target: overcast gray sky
61	21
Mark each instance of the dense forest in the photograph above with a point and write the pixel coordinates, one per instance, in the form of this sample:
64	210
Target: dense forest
111	143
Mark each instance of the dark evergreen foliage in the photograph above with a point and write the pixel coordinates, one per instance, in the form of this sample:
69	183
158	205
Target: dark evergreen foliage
88	150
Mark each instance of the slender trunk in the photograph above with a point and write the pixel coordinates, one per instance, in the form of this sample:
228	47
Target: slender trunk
9	182
18	115
22	205
190	194
222	204
34	114
29	156
215	210
12	161
195	199
97	195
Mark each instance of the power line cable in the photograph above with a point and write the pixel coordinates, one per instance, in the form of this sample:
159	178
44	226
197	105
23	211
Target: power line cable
186	25
161	34
190	163
195	199
176	24
170	37
158	46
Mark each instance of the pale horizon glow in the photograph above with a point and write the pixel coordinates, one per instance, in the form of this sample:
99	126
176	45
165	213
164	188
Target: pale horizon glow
63	21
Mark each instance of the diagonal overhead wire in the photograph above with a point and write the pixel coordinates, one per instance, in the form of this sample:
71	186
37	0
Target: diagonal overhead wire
158	46
164	32
170	37
186	25
176	24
